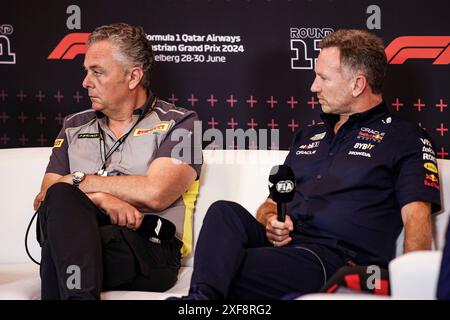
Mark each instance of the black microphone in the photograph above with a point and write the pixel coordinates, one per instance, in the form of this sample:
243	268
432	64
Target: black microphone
281	188
156	229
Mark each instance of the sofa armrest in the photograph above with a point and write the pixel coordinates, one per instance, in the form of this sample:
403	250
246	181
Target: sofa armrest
415	275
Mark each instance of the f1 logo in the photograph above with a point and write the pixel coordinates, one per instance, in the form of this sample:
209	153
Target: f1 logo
419	47
70	46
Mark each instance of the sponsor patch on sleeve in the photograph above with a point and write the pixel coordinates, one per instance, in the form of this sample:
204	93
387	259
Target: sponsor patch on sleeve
163	126
430	167
431	180
58	143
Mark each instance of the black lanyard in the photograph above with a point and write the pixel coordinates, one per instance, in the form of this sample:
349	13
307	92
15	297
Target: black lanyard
106	155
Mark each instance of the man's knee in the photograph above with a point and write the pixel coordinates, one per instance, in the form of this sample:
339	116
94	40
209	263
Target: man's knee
59	191
223	208
62	196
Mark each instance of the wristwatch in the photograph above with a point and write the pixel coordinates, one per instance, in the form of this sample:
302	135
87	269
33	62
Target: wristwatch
77	178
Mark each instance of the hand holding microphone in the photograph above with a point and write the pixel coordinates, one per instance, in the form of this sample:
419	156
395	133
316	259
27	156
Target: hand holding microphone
156	229
279	233
152	227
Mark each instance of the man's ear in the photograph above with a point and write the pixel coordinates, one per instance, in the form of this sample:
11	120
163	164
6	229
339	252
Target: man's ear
359	85
135	77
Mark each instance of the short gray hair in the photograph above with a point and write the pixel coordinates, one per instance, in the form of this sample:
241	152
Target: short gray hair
133	47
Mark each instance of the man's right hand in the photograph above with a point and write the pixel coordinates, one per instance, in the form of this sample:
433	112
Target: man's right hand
120	212
48	180
278	232
38	200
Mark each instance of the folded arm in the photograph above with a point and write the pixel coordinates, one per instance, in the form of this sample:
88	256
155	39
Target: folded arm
165	181
48	180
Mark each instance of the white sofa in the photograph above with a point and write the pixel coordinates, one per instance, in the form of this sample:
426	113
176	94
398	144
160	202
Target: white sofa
238	175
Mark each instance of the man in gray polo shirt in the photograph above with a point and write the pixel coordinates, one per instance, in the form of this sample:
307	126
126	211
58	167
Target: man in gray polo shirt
109	166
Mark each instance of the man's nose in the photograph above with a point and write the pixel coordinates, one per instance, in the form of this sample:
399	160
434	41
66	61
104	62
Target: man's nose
315	85
87	83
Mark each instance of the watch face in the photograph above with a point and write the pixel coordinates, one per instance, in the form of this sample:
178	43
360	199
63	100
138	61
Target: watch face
78	176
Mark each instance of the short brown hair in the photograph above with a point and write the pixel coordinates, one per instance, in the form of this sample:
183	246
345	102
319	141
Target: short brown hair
131	43
360	50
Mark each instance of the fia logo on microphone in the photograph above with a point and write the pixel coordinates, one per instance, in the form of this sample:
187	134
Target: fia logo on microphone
285	186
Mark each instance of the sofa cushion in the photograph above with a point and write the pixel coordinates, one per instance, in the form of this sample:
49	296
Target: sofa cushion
181	288
20	282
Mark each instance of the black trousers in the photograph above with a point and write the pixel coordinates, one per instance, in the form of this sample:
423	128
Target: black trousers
233	256
83	254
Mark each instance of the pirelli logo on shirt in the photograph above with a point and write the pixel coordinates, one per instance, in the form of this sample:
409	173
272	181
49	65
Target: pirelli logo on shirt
58	143
163	126
88	135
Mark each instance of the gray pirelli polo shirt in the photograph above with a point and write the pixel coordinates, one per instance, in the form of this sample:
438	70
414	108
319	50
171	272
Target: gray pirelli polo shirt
164	131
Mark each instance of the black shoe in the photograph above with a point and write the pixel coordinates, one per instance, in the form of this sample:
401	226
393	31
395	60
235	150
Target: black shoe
198	295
